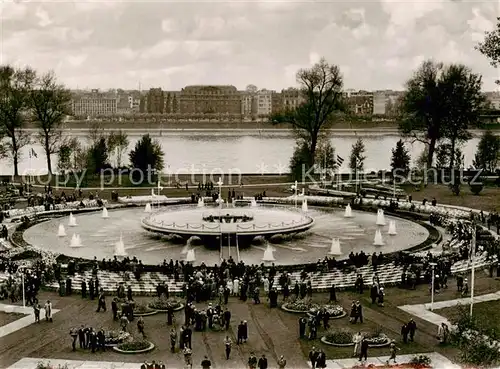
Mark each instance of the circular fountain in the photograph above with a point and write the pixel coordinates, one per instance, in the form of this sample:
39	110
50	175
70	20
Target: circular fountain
255	234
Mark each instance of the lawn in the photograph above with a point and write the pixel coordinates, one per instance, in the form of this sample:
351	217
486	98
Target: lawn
488	199
485	313
7	318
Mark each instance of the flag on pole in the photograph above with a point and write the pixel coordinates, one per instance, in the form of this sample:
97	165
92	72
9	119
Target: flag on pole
340	160
33	153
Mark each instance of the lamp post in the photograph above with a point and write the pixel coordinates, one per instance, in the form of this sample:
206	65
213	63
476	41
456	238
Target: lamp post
159	189
433	265
473	267
21	270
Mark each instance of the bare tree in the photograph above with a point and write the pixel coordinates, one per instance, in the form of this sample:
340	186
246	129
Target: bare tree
15	87
50	103
321	89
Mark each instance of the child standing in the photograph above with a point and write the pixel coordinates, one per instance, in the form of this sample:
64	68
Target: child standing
393	350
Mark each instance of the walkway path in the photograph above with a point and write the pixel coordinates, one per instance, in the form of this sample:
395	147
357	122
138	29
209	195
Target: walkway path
20	323
437	360
422	311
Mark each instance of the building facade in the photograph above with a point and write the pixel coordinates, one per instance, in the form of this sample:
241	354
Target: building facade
264	102
94	104
210	100
494	99
359	102
379	103
291	98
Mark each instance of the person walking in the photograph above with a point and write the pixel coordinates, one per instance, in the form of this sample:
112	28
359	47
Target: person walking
227	344
393	349
412	327
364	350
252	361
141	326
74	335
281	362
188	361
358	337
263	362
48	311
36	310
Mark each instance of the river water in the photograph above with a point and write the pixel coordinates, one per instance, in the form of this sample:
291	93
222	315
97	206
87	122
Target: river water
202	151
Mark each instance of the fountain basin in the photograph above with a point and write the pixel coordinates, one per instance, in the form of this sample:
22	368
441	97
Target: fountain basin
355	234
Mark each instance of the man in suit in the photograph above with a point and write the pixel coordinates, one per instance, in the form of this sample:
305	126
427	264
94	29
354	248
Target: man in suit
227	318
262	362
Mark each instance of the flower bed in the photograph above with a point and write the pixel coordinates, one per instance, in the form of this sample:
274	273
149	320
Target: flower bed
114	338
134	347
395	366
334	311
342	338
144	310
162	304
299	306
377	339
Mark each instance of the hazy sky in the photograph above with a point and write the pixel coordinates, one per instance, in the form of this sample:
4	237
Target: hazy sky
105	44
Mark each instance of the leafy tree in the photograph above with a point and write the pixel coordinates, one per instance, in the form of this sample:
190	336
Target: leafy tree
488	152
440	102
97	157
147	154
68	151
15	87
118	142
490	47
447	154
421	161
325	155
321	89
299	162
357	159
400	160
49	103
461	91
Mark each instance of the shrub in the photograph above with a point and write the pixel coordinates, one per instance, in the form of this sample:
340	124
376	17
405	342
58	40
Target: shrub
48	365
134	345
300	305
142	309
476	188
165	304
342	337
421	360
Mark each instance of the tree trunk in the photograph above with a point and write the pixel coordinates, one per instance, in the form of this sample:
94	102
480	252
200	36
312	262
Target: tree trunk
15	155
432	149
452	153
312	151
47	153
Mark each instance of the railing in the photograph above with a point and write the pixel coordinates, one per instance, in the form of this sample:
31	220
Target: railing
219	226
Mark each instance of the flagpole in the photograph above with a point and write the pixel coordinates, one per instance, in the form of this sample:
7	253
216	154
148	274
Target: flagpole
473	269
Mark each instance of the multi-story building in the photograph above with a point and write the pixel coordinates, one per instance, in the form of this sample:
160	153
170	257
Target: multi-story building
248	104
210	100
359	102
93	104
264	102
494	99
291	98
276	102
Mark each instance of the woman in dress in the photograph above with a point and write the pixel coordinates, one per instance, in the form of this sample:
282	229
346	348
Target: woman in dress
48	311
357	344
